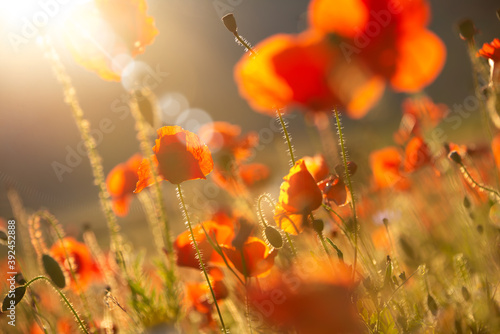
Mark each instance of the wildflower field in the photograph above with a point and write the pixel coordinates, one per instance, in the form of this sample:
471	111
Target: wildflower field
301	167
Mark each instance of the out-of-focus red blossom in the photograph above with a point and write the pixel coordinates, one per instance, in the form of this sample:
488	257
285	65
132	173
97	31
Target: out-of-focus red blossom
257	258
299	192
418	114
495	147
104	35
317	166
178	156
121	182
491	52
417	154
197	297
253	173
380	239
82	263
401	51
227	137
304	70
307	299
386	167
186	254
334	190
64	326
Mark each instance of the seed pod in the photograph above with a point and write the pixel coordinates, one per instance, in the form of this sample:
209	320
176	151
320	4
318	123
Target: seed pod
273	236
467	203
20	279
467	29
54	271
230	23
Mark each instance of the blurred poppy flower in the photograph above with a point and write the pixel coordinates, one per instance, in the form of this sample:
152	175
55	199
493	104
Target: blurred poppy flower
64	326
318	301
186	254
389	37
417	154
299	192
316	165
386	167
491	52
419	114
121	182
179	156
253	173
104	35
307	71
253	259
495	147
84	267
223	136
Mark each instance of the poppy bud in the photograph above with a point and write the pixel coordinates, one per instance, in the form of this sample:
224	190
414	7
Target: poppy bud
318	225
432	305
273	237
498	14
20	279
3	237
455	157
467	203
230	23
467	29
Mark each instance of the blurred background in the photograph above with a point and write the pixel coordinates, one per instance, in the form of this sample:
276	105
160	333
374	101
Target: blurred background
193	58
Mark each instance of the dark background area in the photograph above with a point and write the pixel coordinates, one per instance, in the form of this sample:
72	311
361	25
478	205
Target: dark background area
199	54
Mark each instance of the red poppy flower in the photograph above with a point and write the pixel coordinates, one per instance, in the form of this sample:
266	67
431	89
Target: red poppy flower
492	53
186	254
389	37
304	70
417	154
178	156
307	299
121	182
253	173
83	265
386	167
299	192
317	166
257	258
495	147
104	35
334	190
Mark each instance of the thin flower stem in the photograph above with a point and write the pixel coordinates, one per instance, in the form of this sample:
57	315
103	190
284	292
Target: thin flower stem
287	137
292	247
198	254
349	184
245	44
475	183
63	296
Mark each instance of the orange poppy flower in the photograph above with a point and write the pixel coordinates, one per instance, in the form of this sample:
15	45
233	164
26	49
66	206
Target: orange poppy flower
492	53
186	254
84	267
417	154
121	182
495	147
389	37
293	223
308	298
307	71
104	35
179	156
225	136
386	167
253	259
299	192
317	166
253	173
334	190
